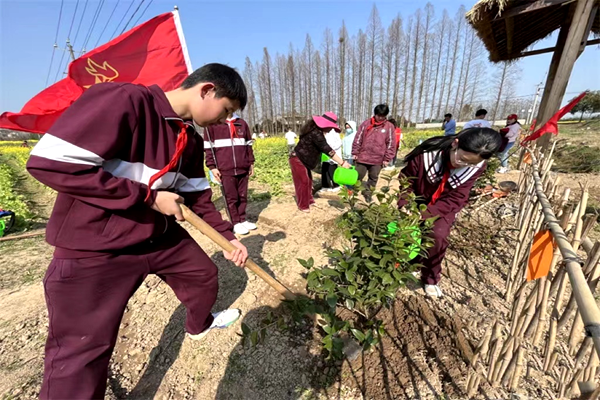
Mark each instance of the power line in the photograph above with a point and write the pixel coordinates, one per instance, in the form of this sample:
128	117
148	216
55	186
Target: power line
122	19
106	24
55	44
68	36
93	25
132	15
80	21
143	12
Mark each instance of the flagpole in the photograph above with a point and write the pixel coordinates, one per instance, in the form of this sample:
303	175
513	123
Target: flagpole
184	48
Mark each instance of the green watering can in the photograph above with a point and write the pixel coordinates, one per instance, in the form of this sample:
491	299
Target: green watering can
415	234
345	176
324	157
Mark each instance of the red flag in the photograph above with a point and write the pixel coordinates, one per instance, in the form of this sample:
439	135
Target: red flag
151	53
552	125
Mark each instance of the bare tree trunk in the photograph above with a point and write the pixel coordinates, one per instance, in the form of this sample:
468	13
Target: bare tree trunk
461	78
466	80
428	18
439	60
374	39
414	71
397	43
460	16
500	86
292	86
405	85
446	65
342	45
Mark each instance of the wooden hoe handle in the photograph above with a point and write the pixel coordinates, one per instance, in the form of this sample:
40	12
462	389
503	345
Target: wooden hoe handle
226	245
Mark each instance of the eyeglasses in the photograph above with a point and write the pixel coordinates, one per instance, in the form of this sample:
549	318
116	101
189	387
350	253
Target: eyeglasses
460	161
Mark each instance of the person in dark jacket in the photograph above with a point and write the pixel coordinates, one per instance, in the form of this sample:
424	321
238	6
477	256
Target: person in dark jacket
307	154
230	158
123	158
442	171
374	147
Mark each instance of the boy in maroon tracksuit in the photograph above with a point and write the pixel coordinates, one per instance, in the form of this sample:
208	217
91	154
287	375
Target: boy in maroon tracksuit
122	158
230	158
374	147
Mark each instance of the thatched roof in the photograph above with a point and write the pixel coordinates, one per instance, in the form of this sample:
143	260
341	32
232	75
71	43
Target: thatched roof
509	27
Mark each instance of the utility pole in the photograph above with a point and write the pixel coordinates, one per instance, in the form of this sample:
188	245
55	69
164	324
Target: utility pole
70	48
535	100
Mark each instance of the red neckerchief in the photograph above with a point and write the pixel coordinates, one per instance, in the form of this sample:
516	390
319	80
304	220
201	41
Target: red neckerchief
440	188
180	144
375	123
232	129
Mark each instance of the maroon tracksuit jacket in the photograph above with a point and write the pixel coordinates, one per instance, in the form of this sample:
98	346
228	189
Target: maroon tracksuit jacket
426	174
374	144
99	156
229	149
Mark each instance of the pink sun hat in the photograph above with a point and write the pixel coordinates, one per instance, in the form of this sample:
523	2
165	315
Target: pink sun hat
327	121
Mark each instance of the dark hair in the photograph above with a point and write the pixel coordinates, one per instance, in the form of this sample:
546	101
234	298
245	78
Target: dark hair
309	126
448	115
393	121
481	112
228	83
381	109
484	142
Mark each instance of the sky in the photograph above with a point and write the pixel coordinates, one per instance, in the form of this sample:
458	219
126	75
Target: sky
215	31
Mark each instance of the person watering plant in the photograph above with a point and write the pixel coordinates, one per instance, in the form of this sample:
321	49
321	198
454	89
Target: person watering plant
511	133
307	153
442	171
373	147
329	166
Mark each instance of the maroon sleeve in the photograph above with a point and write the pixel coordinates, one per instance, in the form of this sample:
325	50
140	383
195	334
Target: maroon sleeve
453	200
411	171
208	140
390	142
98	127
249	139
200	201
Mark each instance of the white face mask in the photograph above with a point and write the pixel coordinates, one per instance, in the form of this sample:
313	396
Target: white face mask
349	131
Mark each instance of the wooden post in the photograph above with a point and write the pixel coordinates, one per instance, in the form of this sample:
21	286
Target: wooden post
564	57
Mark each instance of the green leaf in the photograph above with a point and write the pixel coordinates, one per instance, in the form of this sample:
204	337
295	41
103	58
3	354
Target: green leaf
352	290
304	263
349	304
387	279
358	335
332	301
246	329
329	272
349	276
254	338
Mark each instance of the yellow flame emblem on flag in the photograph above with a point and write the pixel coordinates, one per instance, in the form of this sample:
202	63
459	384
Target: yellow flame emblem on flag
101	73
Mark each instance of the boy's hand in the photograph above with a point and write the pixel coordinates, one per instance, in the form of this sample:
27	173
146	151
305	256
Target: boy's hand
238	256
167	203
217	174
251	170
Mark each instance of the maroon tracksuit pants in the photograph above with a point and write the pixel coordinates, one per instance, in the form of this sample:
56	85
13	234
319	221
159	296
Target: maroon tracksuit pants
86	298
302	178
236	196
431	272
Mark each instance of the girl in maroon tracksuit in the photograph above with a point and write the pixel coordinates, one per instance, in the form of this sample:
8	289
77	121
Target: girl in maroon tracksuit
230	158
443	170
307	154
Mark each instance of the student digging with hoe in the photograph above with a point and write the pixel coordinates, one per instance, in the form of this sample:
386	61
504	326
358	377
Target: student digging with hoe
123	158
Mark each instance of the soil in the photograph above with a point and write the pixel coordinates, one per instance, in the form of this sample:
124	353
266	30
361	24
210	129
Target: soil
424	354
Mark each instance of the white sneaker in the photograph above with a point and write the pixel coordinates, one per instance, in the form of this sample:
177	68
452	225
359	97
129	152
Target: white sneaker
433	291
249	225
502	170
336	189
240	229
222	319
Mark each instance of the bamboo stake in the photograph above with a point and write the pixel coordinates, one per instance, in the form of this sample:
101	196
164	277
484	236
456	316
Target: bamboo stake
501	365
496	347
583	348
23	236
572	386
553	360
514	383
591	262
563	202
542	315
527	316
484	344
562	387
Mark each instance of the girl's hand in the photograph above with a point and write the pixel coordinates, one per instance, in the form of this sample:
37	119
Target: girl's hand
239	255
346	165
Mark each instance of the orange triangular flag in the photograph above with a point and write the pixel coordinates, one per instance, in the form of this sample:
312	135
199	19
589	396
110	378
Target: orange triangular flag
540	256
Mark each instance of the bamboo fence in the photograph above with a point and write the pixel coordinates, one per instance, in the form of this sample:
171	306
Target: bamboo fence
555	316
